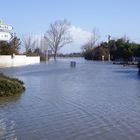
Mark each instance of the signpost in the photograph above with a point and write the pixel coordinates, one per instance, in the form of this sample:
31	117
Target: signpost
5	36
5	27
5	32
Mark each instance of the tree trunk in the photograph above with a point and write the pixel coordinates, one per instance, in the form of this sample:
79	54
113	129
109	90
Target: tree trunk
55	56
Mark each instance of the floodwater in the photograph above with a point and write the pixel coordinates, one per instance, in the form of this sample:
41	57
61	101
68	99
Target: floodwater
93	101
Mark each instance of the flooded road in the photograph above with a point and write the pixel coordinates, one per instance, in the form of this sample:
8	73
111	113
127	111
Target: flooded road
93	101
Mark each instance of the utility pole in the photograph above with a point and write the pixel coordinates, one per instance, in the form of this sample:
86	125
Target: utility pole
109	47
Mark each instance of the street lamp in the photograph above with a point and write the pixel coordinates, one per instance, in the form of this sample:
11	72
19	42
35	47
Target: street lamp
109	47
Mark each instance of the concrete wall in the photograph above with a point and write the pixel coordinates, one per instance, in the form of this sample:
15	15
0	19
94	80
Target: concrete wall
18	60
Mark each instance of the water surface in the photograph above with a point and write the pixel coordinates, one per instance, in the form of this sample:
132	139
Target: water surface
94	101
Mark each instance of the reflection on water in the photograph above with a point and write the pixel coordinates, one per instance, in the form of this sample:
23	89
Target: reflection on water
95	100
4	101
7	126
7	130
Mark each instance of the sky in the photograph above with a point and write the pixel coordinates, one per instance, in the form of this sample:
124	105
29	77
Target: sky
110	17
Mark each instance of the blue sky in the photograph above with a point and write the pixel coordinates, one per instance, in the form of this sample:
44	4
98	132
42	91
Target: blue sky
114	17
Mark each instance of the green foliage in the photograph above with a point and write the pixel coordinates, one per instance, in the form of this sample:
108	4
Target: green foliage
136	50
100	51
10	86
30	53
120	49
97	52
9	48
88	54
15	45
36	52
5	48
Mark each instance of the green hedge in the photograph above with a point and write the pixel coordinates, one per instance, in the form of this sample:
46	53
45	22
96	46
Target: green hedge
10	86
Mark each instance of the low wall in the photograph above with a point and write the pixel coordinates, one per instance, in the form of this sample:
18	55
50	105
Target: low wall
18	60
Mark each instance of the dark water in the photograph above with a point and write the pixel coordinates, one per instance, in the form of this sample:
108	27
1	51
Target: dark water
94	101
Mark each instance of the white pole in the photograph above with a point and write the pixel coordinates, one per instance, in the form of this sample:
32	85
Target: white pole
109	47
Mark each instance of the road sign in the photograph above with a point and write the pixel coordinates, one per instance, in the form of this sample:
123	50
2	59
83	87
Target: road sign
5	36
5	27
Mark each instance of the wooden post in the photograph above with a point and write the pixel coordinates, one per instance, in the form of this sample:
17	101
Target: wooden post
73	64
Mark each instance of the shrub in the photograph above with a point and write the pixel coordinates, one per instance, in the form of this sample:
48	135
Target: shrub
10	86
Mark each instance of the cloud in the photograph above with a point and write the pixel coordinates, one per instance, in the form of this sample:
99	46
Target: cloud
79	35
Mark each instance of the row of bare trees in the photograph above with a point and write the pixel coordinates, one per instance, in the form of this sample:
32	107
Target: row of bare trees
55	38
34	46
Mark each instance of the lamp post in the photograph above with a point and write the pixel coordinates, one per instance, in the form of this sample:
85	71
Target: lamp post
109	47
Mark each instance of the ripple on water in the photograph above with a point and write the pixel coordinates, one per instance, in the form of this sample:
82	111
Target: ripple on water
95	100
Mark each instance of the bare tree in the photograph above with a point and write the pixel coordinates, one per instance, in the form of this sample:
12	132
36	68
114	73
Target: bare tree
29	44
92	42
58	36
